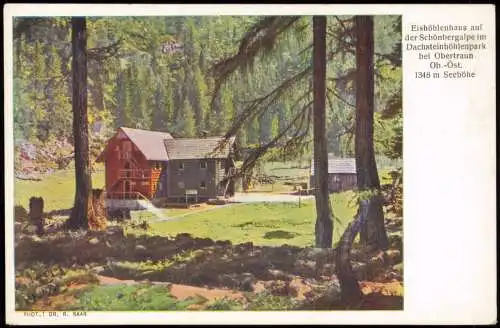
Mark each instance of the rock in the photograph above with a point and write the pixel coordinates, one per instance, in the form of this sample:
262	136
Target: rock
31	228
246	281
332	293
315	253
277	274
305	268
94	241
140	248
394	276
299	289
394	256
36	239
114	230
98	269
259	287
278	287
328	269
360	270
228	280
396	241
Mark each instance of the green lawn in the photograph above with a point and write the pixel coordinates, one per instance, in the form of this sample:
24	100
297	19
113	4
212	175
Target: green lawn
57	190
264	224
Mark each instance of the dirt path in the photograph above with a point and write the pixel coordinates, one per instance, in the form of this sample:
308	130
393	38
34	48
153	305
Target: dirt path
205	209
180	292
268	198
243	198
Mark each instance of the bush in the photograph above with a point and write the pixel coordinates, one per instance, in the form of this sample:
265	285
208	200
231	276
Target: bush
224	304
40	280
143	297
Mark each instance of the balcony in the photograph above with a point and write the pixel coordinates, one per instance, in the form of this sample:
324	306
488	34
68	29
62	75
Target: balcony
135	173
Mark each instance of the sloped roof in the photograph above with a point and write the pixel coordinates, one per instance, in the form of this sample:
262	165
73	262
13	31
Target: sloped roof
195	148
339	165
150	143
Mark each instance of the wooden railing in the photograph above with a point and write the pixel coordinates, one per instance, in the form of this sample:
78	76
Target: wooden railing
135	173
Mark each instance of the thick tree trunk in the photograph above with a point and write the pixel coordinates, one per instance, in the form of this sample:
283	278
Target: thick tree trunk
97	218
373	233
324	223
79	214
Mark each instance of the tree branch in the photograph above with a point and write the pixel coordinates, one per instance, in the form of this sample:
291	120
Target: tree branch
104	52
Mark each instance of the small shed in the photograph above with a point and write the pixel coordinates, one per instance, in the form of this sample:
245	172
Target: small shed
341	174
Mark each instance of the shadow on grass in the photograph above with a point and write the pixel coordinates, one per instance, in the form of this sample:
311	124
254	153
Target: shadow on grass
279	234
184	259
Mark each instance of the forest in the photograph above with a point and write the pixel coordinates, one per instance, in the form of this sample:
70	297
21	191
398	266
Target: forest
156	73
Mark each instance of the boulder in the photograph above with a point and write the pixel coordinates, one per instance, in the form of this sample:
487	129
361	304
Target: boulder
277	274
228	280
140	247
94	241
246	282
299	289
305	268
278	287
394	256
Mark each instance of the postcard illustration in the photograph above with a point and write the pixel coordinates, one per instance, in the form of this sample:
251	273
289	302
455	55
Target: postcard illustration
207	163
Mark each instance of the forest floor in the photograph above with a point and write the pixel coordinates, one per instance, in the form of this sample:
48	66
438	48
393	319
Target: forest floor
113	270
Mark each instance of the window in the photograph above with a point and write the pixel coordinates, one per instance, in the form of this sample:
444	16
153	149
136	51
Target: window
203	164
181	184
203	185
181	166
145	183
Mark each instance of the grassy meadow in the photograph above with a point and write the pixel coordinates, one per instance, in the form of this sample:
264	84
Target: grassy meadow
266	224
57	189
262	223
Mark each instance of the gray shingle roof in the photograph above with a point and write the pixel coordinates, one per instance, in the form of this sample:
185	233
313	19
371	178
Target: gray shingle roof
339	165
191	148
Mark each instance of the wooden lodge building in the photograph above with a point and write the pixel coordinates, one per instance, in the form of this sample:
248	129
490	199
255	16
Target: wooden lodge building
341	174
141	164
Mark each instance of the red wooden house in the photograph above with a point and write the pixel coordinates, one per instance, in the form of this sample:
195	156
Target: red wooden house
134	160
